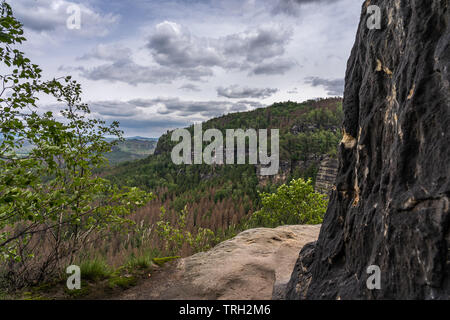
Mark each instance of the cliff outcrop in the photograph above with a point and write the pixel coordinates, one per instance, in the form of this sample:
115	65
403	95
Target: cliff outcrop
390	208
251	266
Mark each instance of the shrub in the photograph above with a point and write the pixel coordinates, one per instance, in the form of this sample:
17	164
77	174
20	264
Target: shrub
293	203
174	237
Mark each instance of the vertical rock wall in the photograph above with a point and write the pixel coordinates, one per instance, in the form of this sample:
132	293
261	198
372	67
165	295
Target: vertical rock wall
391	206
326	176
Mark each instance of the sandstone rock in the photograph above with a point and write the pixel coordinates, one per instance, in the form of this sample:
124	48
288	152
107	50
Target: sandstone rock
247	267
326	176
391	206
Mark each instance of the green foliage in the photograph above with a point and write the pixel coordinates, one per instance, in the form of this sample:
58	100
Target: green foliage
51	194
293	203
175	237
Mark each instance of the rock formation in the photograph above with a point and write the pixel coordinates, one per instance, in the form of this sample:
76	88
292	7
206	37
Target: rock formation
391	206
248	267
326	176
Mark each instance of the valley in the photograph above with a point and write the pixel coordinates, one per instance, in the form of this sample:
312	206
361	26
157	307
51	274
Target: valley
222	198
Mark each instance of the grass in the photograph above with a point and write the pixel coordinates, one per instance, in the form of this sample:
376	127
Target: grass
98	278
123	282
32	296
97	275
142	261
95	270
3	295
161	261
84	291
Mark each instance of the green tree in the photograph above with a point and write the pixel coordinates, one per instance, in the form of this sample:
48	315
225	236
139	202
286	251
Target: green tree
51	203
293	203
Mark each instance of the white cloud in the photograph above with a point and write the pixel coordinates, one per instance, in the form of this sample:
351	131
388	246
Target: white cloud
173	45
108	52
50	16
132	73
237	92
177	54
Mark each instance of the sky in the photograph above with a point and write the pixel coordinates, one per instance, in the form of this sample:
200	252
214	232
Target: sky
156	65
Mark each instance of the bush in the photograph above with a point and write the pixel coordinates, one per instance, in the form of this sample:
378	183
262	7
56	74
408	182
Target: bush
295	203
174	237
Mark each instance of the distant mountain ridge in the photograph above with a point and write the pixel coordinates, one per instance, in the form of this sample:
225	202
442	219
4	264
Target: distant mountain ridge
142	138
133	148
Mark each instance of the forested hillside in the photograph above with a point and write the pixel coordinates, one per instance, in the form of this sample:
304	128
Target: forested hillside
219	197
131	149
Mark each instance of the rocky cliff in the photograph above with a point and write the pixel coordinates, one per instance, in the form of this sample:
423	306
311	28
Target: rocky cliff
391	204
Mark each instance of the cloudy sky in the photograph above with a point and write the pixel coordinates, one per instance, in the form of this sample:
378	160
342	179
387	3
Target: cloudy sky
156	65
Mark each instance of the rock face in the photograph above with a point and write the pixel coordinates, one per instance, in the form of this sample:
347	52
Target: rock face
248	267
391	206
326	176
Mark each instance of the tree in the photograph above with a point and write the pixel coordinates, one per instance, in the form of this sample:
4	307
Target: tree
295	203
51	203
